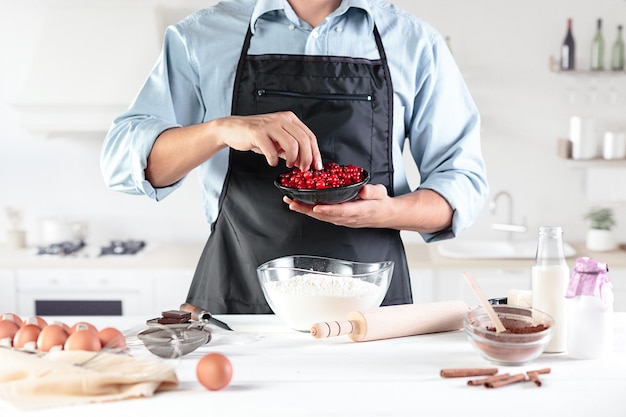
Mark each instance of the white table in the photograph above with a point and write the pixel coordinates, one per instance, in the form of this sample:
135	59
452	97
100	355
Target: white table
281	372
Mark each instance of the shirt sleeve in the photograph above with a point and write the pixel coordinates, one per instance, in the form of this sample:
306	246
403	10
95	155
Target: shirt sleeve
444	136
169	98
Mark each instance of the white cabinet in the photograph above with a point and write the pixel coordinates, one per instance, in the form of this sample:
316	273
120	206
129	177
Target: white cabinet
170	288
99	291
618	279
449	284
7	291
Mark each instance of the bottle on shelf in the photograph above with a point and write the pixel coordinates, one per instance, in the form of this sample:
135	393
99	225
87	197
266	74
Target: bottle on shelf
617	56
568	49
550	278
597	49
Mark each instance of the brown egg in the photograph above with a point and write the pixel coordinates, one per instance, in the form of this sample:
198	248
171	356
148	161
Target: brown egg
82	325
83	340
214	371
36	320
50	337
26	335
13	317
111	338
65	326
8	328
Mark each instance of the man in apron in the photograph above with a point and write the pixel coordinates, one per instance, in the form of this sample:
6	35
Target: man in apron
294	109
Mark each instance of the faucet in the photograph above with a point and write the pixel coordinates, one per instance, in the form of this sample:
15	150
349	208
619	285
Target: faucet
509	226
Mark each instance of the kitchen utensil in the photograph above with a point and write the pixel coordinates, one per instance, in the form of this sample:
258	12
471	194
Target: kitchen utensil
54	231
528	332
303	290
174	340
396	321
484	302
333	195
199	314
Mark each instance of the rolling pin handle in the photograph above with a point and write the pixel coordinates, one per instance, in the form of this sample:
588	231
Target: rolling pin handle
331	329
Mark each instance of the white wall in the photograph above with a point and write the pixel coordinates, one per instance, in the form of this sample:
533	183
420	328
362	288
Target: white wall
502	47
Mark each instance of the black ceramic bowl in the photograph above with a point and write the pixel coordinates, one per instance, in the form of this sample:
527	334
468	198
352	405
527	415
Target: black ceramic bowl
334	195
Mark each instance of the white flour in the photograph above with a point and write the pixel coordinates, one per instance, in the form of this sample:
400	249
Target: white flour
309	298
324	285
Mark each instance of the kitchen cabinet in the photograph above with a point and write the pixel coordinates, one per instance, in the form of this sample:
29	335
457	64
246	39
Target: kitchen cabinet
448	284
99	291
7	291
170	288
618	279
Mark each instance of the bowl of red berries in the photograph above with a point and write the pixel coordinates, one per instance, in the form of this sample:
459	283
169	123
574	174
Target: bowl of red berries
332	184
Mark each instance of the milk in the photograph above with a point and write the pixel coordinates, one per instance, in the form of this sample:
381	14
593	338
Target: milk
549	284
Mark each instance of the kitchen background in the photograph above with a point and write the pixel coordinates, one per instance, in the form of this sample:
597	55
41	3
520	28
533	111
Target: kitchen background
67	67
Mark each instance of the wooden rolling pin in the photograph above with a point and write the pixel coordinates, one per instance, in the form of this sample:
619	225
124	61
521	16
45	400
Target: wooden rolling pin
396	321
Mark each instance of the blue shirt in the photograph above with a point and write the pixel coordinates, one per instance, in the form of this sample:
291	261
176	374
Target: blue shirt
192	82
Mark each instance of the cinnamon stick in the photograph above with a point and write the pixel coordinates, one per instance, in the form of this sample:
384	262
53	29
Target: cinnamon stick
512	379
489	379
541	371
465	372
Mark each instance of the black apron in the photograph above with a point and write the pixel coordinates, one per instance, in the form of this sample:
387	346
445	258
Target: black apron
347	104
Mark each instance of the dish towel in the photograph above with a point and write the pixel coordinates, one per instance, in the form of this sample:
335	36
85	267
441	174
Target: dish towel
61	378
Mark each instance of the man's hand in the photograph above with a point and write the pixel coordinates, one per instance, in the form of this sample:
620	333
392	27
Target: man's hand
274	135
368	211
422	210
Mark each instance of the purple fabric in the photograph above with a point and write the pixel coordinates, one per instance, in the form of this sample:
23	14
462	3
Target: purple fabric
589	278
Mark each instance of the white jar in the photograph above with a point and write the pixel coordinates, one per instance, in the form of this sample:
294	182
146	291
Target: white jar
590	310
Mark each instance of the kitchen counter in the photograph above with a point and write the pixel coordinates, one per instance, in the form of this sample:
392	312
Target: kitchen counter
281	372
158	255
186	255
434	260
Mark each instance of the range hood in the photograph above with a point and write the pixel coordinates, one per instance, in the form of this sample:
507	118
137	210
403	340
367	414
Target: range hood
88	61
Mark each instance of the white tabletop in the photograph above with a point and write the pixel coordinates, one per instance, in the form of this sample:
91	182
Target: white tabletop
281	372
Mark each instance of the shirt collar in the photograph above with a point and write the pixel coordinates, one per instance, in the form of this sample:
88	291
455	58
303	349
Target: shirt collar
265	6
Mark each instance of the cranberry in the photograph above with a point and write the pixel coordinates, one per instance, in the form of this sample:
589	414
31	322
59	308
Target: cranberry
331	176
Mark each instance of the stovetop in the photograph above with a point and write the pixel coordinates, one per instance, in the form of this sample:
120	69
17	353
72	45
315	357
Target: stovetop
61	248
76	248
122	247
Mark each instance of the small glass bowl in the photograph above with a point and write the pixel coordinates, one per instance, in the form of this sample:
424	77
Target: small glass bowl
511	347
333	195
303	290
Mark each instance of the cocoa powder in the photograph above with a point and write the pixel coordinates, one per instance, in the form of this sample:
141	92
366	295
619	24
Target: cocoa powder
521	330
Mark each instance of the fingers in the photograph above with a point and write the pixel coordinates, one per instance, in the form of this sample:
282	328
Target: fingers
295	142
274	135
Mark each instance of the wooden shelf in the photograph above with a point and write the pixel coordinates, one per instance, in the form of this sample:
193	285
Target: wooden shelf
590	73
596	163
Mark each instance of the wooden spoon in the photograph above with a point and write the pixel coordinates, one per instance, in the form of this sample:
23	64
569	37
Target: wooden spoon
484	302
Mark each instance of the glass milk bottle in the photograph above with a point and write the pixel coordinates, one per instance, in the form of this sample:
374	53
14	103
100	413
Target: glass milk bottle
550	276
589	310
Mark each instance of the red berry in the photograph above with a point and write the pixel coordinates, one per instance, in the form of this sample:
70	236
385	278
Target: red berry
331	176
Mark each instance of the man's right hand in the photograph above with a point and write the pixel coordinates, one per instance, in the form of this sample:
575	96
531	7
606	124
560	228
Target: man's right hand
274	135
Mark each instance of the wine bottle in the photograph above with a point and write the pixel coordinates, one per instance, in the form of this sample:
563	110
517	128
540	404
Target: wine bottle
617	56
597	49
568	49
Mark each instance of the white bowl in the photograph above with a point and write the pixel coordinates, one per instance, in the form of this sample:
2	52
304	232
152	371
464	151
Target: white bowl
303	290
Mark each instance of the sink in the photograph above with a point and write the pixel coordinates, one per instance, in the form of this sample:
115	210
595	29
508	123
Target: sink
493	249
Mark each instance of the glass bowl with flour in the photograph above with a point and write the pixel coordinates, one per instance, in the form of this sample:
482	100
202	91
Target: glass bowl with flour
303	290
